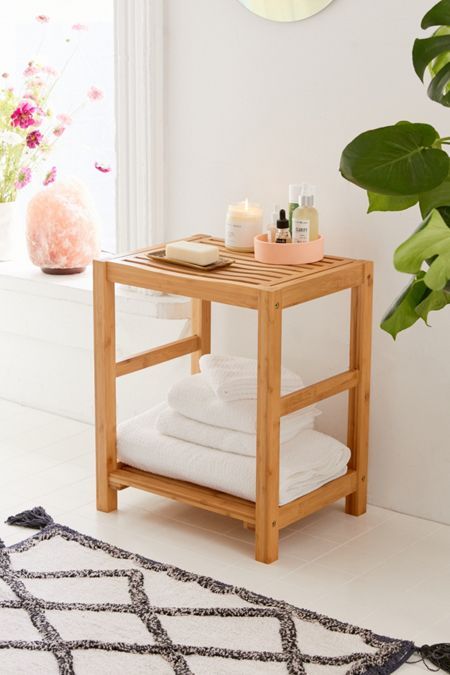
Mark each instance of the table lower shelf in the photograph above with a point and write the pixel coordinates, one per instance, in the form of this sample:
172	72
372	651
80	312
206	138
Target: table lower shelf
229	505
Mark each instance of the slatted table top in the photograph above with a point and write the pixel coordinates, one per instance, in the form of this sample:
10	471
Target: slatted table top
245	279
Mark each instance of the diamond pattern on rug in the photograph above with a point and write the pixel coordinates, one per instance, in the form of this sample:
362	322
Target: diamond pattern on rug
115	663
100	626
206	665
77	589
248	633
93	607
22	662
14	622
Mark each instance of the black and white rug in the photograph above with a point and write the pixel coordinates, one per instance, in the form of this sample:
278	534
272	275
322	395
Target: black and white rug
72	604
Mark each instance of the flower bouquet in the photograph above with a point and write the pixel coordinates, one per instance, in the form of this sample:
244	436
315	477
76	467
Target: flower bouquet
29	129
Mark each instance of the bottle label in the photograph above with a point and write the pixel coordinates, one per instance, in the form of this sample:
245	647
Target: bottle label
300	231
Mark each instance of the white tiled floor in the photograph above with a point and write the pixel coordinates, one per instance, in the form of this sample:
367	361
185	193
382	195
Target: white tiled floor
385	571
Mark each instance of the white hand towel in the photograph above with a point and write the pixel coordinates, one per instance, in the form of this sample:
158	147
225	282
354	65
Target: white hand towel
171	423
306	463
193	397
234	377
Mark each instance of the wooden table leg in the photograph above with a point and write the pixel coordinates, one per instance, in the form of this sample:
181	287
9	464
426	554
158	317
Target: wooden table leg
268	427
359	398
105	386
201	326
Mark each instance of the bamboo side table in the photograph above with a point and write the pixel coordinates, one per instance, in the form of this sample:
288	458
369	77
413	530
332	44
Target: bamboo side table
268	289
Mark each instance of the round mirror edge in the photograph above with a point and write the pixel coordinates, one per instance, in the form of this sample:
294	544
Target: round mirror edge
306	15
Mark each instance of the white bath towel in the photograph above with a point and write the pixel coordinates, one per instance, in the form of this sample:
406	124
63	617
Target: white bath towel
306	464
172	423
234	377
193	397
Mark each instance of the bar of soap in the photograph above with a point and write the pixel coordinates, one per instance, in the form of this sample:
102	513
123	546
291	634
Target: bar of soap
192	252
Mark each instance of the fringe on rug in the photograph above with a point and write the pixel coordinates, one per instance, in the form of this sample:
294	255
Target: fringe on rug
438	655
35	519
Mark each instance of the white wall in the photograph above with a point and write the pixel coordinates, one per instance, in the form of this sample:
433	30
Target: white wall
253	105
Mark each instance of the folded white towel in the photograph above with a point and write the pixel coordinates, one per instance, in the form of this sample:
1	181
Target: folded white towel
193	397
234	377
306	463
172	423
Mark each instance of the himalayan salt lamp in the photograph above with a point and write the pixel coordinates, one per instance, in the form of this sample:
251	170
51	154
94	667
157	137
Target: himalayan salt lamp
62	228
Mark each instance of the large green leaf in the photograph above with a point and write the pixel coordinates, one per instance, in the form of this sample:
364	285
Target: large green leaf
427	49
390	202
414	303
439	196
434	52
396	160
431	242
403	312
440	61
433	302
438	89
439	15
445	213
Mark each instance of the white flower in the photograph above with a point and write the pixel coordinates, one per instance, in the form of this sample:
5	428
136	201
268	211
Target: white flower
10	138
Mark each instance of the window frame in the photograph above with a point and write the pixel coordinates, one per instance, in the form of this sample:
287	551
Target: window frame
139	109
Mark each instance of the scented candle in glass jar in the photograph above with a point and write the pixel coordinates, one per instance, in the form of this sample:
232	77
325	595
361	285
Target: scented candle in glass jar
244	222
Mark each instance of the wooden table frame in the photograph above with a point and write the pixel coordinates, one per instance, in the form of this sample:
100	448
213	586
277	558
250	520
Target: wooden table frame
268	290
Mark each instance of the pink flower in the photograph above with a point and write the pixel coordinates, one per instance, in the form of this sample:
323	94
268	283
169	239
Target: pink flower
95	94
39	114
64	118
5	76
102	167
30	70
23	116
59	130
23	177
80	26
42	18
50	176
34	139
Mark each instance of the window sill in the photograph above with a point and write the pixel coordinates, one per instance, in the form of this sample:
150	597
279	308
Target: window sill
20	276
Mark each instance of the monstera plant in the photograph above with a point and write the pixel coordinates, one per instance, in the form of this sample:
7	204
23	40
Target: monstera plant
406	165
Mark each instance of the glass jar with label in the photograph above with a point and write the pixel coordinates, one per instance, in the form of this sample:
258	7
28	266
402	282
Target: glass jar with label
244	222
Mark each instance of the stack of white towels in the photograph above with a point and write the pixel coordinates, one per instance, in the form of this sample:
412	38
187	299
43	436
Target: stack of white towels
206	433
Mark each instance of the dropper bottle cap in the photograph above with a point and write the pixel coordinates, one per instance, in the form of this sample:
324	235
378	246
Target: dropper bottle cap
306	197
282	222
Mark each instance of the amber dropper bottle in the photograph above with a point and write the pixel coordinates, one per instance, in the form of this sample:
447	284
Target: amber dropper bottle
282	236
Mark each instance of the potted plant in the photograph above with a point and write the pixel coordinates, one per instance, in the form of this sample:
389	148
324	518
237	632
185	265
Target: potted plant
406	165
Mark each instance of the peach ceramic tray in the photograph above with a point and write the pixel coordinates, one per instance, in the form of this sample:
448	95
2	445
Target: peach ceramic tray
288	254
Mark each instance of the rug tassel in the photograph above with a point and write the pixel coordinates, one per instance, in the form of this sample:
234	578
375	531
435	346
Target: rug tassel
438	655
35	519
